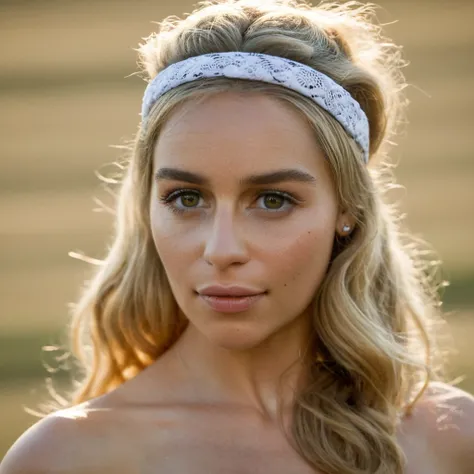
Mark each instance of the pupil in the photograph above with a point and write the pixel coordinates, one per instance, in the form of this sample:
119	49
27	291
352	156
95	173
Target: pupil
275	200
187	197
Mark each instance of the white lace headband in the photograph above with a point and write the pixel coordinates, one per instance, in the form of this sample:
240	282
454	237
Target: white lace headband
272	69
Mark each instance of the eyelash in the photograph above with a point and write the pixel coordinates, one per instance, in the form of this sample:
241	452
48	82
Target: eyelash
169	197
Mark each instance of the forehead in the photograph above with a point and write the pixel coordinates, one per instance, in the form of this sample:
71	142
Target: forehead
239	132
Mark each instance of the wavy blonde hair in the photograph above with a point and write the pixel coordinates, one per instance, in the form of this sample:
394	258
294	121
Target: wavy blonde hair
372	355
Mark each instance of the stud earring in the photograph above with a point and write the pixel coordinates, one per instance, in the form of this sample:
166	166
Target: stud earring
346	228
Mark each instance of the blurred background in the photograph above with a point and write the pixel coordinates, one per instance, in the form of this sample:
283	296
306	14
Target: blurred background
66	96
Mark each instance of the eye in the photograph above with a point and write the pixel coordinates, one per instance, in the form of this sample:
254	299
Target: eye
274	200
187	196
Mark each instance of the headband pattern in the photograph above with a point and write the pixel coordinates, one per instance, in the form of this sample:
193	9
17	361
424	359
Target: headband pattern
270	69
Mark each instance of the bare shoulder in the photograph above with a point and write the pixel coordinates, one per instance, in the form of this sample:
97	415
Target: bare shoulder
445	417
73	440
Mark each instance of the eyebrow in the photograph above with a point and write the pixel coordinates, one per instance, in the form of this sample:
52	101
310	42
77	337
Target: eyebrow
279	176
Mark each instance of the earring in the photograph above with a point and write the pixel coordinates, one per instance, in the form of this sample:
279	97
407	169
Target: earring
346	228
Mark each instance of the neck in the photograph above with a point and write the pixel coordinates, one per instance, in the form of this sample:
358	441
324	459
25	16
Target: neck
265	377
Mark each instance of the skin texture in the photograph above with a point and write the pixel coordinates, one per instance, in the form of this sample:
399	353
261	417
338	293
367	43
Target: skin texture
231	234
208	405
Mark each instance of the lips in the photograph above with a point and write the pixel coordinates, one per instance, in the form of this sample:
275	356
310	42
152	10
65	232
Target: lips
229	291
231	304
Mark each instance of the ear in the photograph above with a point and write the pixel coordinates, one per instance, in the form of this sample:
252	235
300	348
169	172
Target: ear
345	224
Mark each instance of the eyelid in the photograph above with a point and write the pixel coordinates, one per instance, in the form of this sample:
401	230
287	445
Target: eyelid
177	191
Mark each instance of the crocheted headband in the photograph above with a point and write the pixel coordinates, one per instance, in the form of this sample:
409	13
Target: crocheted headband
266	68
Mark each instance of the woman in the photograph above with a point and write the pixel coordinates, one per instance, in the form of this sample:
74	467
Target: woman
258	310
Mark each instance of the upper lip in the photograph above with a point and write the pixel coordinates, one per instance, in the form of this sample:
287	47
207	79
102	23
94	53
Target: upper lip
234	290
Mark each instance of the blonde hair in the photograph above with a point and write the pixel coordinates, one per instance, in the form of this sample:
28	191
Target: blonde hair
373	352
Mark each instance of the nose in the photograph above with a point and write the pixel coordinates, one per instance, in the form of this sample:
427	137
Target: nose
224	244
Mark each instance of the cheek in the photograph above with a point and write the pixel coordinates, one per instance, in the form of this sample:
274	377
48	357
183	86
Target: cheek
168	239
301	264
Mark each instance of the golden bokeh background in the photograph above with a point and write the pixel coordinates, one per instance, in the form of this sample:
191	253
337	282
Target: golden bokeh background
67	94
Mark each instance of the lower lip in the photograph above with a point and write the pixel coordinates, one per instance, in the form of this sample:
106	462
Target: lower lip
229	304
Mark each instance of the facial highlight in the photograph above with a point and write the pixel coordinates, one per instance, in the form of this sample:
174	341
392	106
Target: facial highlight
242	195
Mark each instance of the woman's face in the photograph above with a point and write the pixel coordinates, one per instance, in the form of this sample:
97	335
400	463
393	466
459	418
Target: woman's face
224	229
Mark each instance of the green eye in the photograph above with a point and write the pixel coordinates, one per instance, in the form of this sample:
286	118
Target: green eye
273	199
188	199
